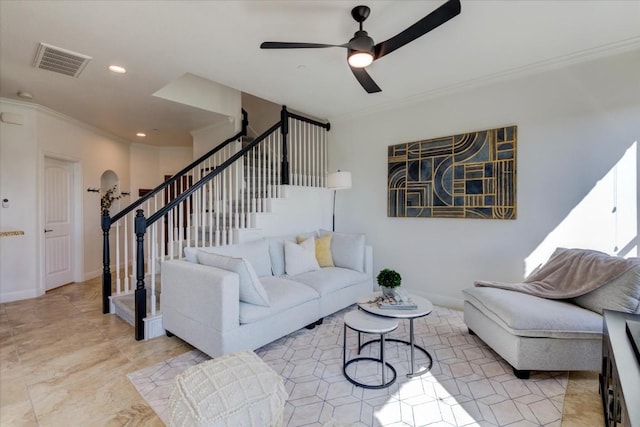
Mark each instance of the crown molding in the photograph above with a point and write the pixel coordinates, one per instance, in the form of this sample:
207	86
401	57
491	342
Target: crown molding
61	116
533	68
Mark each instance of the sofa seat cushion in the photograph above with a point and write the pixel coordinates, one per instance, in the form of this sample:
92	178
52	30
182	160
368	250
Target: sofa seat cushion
330	279
283	294
530	316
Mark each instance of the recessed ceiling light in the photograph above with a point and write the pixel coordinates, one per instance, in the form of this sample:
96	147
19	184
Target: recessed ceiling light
117	69
141	134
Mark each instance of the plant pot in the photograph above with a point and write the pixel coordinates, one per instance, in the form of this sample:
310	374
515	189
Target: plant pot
387	292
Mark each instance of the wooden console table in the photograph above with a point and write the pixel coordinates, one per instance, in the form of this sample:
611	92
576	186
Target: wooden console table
620	375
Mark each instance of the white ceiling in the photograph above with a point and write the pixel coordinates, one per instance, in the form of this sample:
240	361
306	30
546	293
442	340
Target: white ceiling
159	41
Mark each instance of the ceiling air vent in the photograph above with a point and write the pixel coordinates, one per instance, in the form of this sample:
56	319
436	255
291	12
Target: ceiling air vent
60	60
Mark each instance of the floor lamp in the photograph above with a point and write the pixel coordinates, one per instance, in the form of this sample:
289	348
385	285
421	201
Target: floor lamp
338	181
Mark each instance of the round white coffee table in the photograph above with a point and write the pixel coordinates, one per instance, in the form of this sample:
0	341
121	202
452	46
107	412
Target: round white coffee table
424	308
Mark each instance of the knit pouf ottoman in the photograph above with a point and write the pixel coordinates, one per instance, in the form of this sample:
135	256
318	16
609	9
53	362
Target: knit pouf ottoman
237	389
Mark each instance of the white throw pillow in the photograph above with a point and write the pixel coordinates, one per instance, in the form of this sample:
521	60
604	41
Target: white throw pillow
276	250
251	289
300	258
191	254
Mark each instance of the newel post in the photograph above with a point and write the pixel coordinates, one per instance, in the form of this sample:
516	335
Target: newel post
284	123
141	292
106	261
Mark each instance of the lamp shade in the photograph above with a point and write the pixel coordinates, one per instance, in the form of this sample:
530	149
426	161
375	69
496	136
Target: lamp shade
339	180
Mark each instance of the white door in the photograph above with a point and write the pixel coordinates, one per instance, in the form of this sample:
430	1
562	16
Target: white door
58	214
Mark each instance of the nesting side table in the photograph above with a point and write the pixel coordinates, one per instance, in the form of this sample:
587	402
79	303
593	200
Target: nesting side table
362	322
424	308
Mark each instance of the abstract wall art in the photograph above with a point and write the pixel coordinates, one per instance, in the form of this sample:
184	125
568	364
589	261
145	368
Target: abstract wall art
471	175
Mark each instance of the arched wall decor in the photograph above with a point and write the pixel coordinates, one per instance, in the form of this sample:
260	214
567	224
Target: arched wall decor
108	180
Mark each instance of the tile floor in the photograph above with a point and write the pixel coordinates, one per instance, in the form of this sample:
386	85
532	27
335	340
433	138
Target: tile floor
62	362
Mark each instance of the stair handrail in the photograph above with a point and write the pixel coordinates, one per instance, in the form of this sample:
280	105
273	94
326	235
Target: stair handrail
174	178
208	177
141	223
107	221
218	169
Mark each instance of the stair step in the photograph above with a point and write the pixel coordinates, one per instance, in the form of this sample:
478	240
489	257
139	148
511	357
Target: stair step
124	305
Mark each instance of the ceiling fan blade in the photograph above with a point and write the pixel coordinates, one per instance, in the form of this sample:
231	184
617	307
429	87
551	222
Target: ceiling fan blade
365	80
433	20
290	45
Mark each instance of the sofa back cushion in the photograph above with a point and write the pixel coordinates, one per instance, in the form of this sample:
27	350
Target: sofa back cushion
251	289
256	252
347	250
620	294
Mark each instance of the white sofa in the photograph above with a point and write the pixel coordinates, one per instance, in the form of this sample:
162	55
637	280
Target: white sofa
534	333
241	297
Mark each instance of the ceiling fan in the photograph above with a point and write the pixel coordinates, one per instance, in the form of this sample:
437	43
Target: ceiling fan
361	51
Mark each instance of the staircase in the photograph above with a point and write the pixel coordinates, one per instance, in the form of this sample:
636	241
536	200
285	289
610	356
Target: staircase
216	200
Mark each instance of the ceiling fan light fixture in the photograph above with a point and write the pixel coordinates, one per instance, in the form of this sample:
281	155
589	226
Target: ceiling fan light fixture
359	59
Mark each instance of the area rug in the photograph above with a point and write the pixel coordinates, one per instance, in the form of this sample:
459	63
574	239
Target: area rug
468	384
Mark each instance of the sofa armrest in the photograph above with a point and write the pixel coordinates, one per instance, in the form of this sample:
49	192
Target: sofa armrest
207	295
368	260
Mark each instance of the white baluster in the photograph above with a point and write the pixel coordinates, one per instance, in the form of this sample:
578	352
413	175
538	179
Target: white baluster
210	214
118	283
279	162
134	247
126	254
272	164
265	181
236	202
150	259
170	235
293	155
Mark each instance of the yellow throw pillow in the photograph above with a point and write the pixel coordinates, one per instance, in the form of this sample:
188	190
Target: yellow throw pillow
323	249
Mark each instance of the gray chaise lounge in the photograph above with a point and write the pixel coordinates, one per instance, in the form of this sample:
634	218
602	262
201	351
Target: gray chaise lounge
534	333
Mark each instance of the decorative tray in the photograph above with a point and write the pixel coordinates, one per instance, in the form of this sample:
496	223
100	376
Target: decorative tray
390	303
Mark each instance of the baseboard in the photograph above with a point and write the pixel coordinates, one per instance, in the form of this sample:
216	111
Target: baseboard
441	300
18	295
88	275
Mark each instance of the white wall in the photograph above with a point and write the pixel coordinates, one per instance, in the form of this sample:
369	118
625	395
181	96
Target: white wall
145	160
18	180
574	125
150	164
22	152
173	159
59	136
301	209
209	137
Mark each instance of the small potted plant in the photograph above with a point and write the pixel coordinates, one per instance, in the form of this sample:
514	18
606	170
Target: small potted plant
388	280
